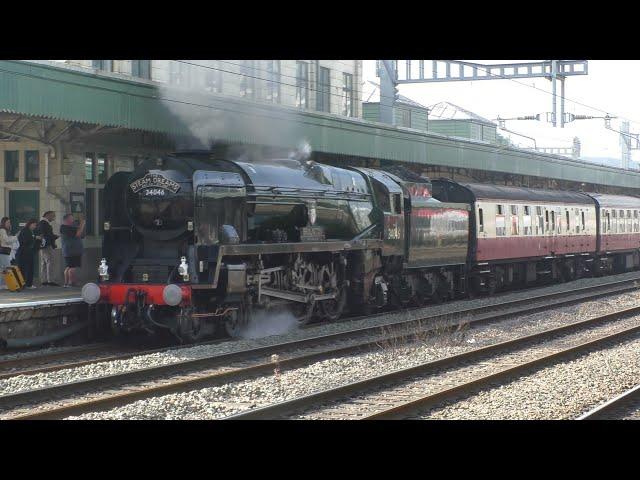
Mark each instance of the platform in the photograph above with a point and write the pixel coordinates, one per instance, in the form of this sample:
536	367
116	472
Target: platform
39	297
39	311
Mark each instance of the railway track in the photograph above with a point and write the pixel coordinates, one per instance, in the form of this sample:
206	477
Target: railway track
399	394
106	392
108	351
617	408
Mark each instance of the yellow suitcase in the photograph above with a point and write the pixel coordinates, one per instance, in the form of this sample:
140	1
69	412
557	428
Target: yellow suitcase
13	278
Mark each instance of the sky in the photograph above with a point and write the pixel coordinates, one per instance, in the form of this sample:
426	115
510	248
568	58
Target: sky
611	85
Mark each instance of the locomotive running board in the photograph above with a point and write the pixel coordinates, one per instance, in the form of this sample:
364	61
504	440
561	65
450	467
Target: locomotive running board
302	247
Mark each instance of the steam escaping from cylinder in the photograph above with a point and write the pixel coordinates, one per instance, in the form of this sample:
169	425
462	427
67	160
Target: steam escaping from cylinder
264	323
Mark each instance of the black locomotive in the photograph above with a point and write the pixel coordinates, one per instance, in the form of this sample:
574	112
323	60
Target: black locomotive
193	242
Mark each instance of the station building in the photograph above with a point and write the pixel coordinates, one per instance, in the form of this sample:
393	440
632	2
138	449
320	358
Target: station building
66	127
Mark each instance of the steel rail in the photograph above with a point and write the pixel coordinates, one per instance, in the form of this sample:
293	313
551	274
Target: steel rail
625	285
377	382
604	410
13	400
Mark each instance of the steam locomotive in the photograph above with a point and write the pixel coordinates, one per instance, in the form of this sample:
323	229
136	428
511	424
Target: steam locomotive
194	243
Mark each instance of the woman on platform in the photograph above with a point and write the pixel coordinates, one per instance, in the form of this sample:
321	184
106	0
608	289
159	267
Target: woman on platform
27	251
7	242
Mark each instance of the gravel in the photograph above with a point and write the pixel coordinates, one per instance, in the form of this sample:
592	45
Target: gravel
220	401
562	391
25	382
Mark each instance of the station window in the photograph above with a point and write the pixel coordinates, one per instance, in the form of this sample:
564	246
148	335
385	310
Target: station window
11	166
102	167
323	92
347	94
89	168
141	69
32	166
106	65
273	82
247	79
213	79
480	221
302	84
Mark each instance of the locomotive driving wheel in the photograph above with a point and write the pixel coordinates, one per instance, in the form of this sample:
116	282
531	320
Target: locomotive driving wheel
332	309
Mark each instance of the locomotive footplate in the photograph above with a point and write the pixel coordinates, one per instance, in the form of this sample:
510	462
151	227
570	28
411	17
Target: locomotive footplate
274	248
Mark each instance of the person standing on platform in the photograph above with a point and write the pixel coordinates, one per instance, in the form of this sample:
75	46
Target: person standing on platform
71	247
27	251
48	246
7	242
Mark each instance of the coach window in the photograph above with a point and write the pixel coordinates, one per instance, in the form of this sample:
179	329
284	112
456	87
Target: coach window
614	221
621	221
582	219
629	227
635	220
539	221
546	220
500	224
553	221
566	211
526	220
515	220
578	219
480	221
397	203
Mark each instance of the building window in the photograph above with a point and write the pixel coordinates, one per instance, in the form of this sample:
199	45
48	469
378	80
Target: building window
273	81
89	168
302	85
103	168
405	117
32	165
106	65
347	94
323	103
178	73
247	79
11	166
90	210
213	79
141	68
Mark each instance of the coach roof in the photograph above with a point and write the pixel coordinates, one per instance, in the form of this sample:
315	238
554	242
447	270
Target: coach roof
534	195
616	201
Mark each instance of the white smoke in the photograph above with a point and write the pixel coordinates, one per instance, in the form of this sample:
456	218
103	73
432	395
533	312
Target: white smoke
211	118
264	323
